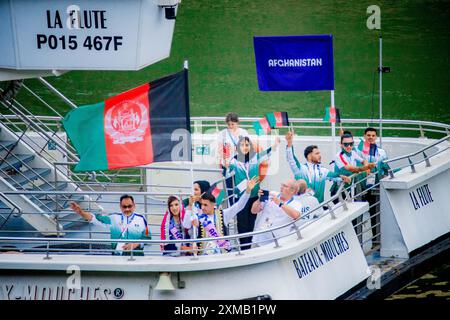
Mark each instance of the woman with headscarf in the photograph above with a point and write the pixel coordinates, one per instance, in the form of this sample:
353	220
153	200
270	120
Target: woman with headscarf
200	187
245	165
228	140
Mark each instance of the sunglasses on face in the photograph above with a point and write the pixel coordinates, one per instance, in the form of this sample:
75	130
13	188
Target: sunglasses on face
128	207
348	144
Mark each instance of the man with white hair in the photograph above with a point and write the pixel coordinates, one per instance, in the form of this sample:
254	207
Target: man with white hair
281	208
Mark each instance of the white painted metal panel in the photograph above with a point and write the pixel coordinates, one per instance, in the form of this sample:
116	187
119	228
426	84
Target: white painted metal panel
85	35
420	202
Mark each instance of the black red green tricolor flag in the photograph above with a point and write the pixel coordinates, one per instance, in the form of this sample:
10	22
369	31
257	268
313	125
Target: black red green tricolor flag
217	192
332	115
146	124
262	126
278	119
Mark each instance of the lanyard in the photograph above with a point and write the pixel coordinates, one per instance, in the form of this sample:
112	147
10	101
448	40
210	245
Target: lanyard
125	228
341	155
232	139
374	155
309	173
311	180
286	203
245	167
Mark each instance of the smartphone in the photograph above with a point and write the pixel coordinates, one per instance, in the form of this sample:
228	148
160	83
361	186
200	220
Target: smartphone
265	196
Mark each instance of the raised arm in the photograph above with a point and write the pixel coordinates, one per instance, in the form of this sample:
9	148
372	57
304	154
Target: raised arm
230	212
294	164
190	217
98	220
77	209
256	206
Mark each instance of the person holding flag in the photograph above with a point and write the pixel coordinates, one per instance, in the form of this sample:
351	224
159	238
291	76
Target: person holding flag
227	146
348	161
212	221
124	225
245	164
229	137
199	187
312	172
369	151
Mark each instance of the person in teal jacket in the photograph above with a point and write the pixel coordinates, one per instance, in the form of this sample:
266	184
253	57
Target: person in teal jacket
311	171
349	161
124	225
372	153
243	167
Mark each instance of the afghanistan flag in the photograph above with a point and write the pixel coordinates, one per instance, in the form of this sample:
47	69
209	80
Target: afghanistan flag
261	126
146	124
332	115
278	119
364	146
217	193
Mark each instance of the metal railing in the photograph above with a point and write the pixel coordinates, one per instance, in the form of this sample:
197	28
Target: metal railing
15	210
342	196
213	124
320	127
341	199
47	128
426	157
295	228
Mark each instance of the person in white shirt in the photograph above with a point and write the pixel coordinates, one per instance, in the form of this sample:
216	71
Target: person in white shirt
228	142
279	209
228	138
308	201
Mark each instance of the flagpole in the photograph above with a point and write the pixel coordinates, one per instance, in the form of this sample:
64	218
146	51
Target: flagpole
333	128
191	169
186	67
380	71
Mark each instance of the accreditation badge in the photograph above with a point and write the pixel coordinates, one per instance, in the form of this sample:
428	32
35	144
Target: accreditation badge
370	179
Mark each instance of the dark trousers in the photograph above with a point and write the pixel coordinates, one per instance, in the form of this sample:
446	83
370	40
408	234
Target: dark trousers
230	191
246	223
372	198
